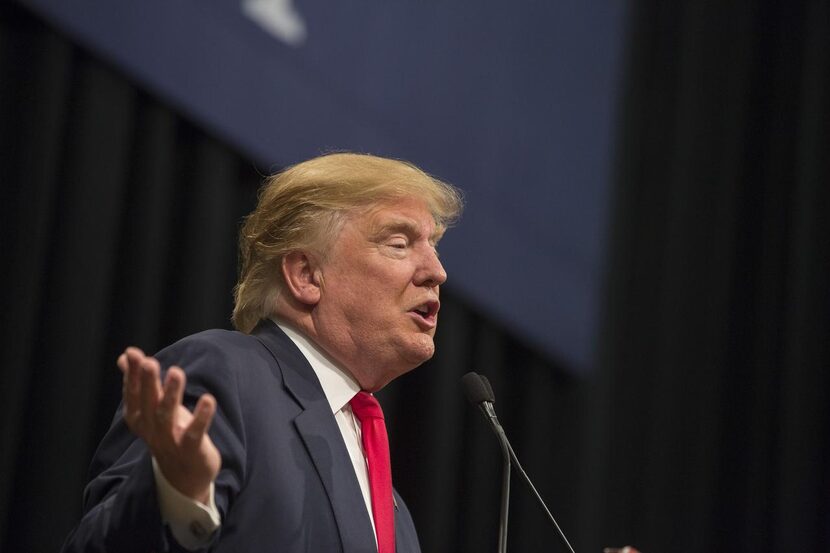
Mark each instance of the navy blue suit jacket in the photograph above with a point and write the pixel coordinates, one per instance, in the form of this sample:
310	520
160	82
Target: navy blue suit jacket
287	483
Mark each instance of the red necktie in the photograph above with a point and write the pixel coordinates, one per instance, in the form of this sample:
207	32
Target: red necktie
376	447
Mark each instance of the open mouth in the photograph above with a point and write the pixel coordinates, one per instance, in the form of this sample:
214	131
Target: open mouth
427	313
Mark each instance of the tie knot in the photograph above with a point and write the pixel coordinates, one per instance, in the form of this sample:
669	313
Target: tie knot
365	406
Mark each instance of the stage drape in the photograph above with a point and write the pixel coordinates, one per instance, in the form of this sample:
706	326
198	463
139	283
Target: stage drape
711	430
704	426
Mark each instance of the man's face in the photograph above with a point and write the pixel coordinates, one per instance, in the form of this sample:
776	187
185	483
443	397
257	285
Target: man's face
379	292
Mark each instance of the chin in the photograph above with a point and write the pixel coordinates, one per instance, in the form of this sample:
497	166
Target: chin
420	350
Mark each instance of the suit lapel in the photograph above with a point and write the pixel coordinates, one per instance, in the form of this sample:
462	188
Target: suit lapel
323	440
335	469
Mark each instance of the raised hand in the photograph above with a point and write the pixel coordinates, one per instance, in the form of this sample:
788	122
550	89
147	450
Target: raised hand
176	437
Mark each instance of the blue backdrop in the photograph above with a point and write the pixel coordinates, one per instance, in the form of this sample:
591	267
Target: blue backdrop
512	102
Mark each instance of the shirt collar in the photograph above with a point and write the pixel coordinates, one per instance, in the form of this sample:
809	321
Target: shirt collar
338	387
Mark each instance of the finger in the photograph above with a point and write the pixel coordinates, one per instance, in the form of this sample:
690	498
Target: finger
133	358
130	392
123	366
134	351
150	392
173	393
198	427
122	363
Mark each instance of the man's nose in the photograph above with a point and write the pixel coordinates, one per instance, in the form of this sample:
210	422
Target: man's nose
431	273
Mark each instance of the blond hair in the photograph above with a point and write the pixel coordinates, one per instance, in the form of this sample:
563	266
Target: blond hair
303	208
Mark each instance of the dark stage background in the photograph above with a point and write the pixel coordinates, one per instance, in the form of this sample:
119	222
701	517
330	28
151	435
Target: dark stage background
705	426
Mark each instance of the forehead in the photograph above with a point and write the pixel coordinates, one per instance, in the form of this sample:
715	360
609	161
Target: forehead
409	215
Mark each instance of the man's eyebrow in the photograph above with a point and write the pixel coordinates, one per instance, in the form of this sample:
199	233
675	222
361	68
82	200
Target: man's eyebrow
382	229
406	227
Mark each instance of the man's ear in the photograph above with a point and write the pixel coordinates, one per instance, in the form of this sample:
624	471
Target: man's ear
301	277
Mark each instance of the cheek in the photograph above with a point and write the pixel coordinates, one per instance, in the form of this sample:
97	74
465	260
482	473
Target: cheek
370	294
383	290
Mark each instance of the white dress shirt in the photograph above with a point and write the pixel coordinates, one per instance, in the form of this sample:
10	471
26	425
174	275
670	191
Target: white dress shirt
192	522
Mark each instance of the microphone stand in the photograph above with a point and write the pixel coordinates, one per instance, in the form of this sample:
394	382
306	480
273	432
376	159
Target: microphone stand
507	453
526	478
480	393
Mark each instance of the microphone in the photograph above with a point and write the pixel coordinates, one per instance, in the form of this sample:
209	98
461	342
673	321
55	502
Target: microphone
480	393
477	388
491	397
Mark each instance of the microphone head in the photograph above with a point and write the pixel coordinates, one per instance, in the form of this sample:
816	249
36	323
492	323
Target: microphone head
477	388
491	397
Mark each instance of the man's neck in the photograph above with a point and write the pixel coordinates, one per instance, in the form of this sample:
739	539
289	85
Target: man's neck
338	385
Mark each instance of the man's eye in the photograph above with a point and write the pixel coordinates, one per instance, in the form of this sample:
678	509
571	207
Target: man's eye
398	244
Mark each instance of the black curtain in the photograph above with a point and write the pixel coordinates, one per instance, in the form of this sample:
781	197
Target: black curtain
704	426
118	222
712	426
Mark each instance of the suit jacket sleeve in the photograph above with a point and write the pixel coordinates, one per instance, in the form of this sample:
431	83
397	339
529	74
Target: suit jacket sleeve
120	504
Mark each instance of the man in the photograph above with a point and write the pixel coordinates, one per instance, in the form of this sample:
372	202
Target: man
259	440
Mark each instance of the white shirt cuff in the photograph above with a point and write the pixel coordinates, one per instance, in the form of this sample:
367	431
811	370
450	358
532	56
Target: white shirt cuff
191	522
